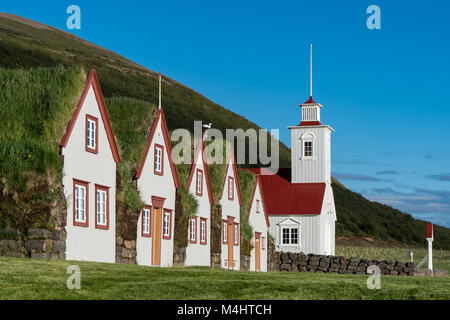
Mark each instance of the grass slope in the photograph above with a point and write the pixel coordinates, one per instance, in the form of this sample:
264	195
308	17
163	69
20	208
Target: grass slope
37	279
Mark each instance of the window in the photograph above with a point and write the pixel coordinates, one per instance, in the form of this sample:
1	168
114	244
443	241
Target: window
199	189
80	203
159	160
146	222
91	134
308	149
193	231
203	231
290	235
167	224
224	232
257	206
236	234
263	243
230	188
101	207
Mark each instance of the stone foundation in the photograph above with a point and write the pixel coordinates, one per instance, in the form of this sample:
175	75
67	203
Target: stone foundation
125	251
216	260
179	257
427	273
36	244
245	263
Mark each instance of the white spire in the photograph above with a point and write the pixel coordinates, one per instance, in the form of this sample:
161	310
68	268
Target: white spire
310	70
159	106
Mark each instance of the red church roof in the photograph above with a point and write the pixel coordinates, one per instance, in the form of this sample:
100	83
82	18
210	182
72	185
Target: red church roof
283	197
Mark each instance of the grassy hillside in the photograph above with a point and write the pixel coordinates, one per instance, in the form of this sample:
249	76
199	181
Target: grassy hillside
37	279
359	216
25	43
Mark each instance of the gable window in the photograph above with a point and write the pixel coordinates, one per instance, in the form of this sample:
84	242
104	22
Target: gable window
307	145
167	224
146	222
236	234
257	206
193	231
263	243
91	134
290	235
224	232
230	188
199	189
203	231
159	160
101	207
80	203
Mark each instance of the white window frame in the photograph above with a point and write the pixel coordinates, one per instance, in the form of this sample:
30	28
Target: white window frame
166	225
202	231
193	231
101	207
225	232
307	138
78	199
199	181
158	159
146	221
236	234
290	242
91	134
230	188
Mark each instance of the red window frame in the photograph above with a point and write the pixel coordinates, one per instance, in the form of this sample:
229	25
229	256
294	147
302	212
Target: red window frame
190	230
149	234
201	183
230	182
106	189
84	184
224	230
204	220
159	173
263	243
236	239
88	149
167	237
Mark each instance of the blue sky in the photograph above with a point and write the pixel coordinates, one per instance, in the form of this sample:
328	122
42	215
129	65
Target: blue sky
385	92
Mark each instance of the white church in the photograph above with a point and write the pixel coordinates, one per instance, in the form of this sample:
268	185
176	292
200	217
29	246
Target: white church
299	201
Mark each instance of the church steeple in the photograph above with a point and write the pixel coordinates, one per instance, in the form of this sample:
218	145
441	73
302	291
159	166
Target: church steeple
310	108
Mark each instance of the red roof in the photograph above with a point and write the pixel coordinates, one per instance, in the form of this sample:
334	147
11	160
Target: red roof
92	79
160	117
283	197
310	101
201	145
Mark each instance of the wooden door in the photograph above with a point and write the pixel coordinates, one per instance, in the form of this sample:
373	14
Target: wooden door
156	243
257	255
230	238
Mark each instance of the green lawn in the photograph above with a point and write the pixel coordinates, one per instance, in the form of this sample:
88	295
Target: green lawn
37	279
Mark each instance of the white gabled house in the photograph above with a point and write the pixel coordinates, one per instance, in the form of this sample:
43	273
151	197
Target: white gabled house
198	250
89	178
259	221
231	202
157	182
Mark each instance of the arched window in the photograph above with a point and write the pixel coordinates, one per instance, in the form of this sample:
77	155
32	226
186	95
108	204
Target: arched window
307	145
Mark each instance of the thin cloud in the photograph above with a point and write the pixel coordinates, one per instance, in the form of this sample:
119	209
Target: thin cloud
440	177
388	172
358	177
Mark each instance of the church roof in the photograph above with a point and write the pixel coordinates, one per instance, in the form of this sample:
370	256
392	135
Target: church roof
283	197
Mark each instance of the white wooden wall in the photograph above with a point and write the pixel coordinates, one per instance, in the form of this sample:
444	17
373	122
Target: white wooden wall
89	243
258	222
200	254
230	208
150	185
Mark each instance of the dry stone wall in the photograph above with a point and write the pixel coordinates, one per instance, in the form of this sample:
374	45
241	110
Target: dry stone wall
125	251
300	262
35	243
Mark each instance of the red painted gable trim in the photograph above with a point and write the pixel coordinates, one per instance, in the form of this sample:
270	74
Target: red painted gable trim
309	123
236	177
160	117
206	171
262	200
92	79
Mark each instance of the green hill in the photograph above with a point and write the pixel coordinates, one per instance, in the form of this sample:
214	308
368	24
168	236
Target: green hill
28	44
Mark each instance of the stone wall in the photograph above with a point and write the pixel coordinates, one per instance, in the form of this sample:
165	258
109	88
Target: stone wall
427	273
125	251
245	263
36	244
216	260
179	257
300	262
